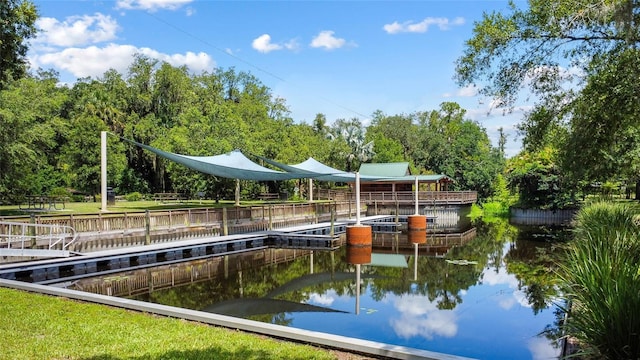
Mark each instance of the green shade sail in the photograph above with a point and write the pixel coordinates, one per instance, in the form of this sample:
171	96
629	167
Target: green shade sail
235	165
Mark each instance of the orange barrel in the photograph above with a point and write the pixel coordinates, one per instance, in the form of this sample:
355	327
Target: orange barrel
417	222
359	235
358	254
417	236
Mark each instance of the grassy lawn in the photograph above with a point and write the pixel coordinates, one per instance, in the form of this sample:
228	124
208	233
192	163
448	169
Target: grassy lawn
44	327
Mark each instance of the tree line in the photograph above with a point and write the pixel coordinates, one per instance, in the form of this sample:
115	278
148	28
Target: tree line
50	134
579	62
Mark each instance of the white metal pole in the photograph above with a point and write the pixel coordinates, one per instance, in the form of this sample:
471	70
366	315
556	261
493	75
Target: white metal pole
310	189
417	211
357	198
103	169
415	262
357	289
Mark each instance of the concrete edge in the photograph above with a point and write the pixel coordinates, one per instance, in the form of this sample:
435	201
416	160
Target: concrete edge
298	335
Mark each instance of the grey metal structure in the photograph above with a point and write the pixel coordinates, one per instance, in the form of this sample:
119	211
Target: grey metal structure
36	240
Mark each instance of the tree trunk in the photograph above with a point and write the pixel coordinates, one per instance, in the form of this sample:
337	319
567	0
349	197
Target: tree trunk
638	189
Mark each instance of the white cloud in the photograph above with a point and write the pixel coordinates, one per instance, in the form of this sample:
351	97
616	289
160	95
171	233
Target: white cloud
151	5
93	61
420	317
468	91
502	277
325	39
423	26
542	349
263	44
292	44
326	299
76	30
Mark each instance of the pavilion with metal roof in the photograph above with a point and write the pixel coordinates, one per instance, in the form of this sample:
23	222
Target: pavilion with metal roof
394	177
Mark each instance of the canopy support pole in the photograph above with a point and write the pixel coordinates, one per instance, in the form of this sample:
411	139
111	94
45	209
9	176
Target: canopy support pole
103	169
310	189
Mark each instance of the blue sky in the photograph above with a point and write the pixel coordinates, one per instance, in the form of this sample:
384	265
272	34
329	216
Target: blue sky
342	59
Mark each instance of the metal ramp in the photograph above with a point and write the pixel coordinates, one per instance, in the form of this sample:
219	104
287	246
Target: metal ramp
35	240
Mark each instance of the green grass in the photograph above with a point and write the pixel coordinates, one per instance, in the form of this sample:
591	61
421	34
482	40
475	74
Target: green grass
37	326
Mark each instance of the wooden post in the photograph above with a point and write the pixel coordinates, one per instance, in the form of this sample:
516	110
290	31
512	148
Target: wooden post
147	227
225	229
237	192
270	219
332	211
316	213
32	229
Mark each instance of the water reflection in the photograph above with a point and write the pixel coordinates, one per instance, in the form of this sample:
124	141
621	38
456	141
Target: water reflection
484	293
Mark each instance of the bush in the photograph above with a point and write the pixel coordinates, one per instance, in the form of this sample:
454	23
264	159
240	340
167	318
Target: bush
134	196
59	191
601	277
77	198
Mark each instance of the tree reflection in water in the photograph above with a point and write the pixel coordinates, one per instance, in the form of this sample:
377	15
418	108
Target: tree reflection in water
526	253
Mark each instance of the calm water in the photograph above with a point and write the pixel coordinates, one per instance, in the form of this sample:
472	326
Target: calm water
490	297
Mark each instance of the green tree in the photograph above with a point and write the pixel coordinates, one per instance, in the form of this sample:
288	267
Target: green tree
352	134
16	27
460	148
579	59
31	131
537	178
604	124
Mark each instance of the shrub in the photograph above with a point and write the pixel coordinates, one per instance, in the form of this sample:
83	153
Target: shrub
59	191
134	196
601	277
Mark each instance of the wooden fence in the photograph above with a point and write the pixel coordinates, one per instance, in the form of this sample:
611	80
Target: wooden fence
250	217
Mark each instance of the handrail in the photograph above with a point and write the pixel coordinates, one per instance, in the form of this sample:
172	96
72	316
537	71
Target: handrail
27	235
178	218
405	196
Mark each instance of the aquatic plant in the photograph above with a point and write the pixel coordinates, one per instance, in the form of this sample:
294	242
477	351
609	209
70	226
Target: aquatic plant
601	278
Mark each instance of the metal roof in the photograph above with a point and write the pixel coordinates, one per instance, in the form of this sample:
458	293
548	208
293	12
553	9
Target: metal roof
385	169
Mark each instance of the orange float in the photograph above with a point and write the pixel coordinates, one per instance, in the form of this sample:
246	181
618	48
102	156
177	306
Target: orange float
359	235
417	236
359	255
417	222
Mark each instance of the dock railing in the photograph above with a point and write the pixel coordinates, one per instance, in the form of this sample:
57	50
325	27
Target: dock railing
27	239
279	215
426	197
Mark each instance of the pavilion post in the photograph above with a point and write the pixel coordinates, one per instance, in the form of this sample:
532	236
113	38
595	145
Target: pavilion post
417	210
357	199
